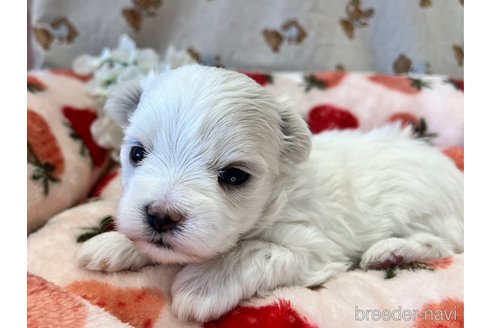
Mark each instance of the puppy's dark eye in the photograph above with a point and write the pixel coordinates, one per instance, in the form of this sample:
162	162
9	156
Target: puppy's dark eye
233	176
137	154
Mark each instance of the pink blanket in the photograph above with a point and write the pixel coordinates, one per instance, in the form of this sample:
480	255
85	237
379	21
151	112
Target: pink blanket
60	294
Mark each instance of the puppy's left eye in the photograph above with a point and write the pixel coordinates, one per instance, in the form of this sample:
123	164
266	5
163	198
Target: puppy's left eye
233	176
137	154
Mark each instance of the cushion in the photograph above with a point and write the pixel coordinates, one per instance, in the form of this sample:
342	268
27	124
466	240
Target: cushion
63	160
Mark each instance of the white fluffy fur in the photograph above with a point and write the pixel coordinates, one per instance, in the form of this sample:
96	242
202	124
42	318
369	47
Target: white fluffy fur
303	217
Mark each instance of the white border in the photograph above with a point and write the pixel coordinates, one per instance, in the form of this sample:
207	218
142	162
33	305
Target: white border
14	166
478	164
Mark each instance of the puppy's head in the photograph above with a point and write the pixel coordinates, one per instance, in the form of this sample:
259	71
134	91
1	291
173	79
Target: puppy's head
202	150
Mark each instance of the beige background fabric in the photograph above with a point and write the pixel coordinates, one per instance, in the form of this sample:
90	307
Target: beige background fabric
388	36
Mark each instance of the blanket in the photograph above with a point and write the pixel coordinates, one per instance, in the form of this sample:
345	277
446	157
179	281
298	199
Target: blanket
61	294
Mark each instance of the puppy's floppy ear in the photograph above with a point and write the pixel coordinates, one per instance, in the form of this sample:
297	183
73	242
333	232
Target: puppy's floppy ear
123	101
296	134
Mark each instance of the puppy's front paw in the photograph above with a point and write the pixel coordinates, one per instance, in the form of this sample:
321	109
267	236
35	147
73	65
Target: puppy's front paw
110	251
199	293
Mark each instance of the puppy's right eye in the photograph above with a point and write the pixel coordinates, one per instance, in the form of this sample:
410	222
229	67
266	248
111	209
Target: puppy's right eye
137	154
233	176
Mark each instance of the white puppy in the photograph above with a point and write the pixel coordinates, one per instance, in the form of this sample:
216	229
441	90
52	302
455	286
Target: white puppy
219	175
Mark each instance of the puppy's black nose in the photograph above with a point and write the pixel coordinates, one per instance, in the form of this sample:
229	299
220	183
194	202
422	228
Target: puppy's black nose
162	221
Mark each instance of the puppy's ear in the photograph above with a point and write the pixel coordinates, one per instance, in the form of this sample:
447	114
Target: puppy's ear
296	134
123	101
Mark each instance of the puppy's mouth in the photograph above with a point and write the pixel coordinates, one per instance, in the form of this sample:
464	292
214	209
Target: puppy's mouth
160	243
163	240
159	240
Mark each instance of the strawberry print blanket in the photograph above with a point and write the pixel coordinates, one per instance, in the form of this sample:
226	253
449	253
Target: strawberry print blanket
73	188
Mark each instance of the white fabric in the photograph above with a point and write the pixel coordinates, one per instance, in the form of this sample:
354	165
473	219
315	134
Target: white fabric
230	32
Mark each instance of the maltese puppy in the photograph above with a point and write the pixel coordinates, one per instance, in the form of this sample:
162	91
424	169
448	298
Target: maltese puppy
220	176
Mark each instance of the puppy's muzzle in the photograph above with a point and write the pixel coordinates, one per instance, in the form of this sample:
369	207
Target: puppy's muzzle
162	220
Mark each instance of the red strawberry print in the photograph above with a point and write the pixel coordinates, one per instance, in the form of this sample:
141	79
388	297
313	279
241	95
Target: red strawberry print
324	80
102	184
81	121
457	154
70	73
278	315
442	263
138	307
49	305
328	117
458	84
43	151
405	119
448	313
260	78
34	84
419	125
403	84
